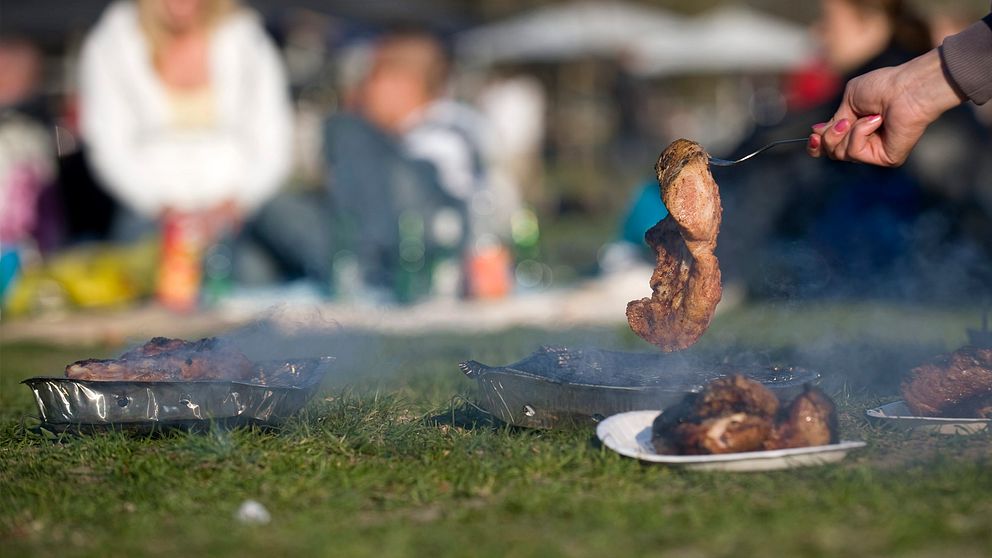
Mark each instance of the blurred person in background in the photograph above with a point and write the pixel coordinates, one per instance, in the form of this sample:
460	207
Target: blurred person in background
884	113
27	159
515	105
186	116
795	226
886	117
415	210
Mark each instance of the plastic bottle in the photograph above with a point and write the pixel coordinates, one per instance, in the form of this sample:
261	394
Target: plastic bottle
218	268
447	232
413	274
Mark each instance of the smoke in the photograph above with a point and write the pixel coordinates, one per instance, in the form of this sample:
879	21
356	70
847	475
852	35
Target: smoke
861	345
862	328
848	270
299	333
284	332
853	344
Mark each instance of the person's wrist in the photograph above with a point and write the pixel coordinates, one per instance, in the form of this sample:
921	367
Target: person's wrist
927	82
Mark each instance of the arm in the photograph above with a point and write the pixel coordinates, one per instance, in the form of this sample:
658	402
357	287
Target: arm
968	59
109	129
884	113
266	141
450	155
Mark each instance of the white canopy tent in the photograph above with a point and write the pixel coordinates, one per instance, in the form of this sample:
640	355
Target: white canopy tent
566	31
729	39
653	42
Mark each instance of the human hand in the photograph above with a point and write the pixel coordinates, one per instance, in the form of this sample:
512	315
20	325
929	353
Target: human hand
883	113
225	217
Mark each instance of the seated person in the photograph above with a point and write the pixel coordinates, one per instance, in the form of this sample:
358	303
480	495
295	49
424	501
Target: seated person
27	160
184	110
408	172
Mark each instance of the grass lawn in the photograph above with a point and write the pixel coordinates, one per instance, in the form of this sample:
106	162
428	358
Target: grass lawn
375	467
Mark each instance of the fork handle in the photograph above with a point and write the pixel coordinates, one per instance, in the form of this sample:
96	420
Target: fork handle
725	163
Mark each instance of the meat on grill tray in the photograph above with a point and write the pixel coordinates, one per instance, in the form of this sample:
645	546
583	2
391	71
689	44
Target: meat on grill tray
735	414
957	384
159	345
163	359
685	284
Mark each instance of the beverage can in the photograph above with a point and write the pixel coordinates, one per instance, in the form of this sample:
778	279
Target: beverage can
180	270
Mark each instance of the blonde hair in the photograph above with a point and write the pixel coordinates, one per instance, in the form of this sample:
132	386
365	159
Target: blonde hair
153	24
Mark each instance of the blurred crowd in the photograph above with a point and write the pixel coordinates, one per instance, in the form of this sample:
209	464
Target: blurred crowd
195	153
176	152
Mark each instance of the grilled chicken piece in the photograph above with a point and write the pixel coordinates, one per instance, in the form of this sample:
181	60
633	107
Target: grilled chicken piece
671	420
686	282
810	420
731	414
164	359
736	394
958	384
727	434
735	414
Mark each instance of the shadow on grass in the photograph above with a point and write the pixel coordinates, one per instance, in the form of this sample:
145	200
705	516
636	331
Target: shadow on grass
464	414
32	426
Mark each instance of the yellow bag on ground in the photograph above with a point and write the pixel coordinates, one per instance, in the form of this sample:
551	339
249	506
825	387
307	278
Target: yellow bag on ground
93	276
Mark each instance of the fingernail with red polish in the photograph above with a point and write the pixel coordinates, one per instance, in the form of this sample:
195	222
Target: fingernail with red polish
841	126
874	118
814	142
820	126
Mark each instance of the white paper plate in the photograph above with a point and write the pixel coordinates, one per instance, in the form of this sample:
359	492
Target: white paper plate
898	414
629	434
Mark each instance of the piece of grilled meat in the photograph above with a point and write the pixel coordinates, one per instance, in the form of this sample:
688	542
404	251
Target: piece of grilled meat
735	414
809	420
163	359
158	345
957	384
732	414
732	433
685	284
736	394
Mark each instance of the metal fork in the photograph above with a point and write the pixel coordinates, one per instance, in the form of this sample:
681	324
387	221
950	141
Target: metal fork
725	163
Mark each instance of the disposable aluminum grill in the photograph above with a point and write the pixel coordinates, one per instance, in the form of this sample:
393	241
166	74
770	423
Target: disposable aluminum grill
557	386
282	388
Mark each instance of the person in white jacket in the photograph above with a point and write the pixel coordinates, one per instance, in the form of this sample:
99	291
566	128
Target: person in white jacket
184	107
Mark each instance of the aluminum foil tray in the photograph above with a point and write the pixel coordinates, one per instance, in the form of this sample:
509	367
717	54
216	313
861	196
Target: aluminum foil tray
65	404
558	385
